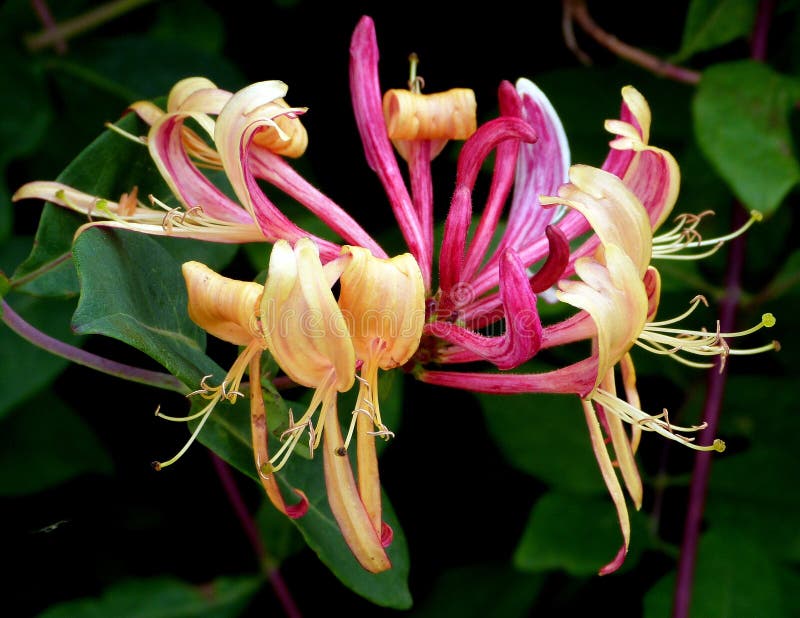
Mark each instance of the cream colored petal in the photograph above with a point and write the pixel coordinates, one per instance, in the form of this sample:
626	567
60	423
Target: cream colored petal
302	324
383	299
615	297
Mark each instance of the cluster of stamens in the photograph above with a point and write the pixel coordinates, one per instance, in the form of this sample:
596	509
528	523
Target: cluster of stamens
661	338
685	235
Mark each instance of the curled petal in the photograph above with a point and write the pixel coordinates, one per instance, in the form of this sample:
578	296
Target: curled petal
523	335
412	115
613	212
654	178
502	181
557	259
184	89
614	295
259	435
345	502
187	182
250	110
488	137
224	307
612	483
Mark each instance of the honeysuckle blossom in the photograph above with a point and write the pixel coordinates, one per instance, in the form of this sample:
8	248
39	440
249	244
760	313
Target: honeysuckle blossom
579	235
318	342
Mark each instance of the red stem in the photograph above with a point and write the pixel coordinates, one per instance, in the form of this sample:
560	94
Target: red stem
716	381
249	526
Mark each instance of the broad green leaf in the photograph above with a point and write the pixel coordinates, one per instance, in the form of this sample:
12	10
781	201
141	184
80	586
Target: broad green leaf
24	367
479	591
133	291
48	270
752	489
164	597
741	123
577	534
755	492
47	444
546	436
733	577
712	23
787	277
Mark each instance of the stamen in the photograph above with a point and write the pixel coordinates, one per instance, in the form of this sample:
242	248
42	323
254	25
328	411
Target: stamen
139	139
634	416
179	419
157	465
214	394
415	82
660	339
685	234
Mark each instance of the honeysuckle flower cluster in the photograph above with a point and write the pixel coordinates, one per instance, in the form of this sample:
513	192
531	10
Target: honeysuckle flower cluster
574	234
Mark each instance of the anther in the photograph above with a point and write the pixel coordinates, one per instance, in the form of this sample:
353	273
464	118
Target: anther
341	451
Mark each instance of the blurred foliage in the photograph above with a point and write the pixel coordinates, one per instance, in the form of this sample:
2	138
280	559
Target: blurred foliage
529	510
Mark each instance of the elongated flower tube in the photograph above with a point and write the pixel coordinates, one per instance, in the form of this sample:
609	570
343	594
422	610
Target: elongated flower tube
383	303
308	336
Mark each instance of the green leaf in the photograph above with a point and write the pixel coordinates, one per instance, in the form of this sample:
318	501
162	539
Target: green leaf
47	444
482	590
712	23
733	577
133	291
577	534
755	492
752	489
546	436
741	114
164	597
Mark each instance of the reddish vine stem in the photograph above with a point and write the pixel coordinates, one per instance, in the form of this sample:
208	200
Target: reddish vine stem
81	357
273	574
575	11
717	379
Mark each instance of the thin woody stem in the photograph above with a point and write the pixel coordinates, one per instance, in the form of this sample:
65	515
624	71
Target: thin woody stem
575	11
59	33
50	26
81	357
716	383
251	531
